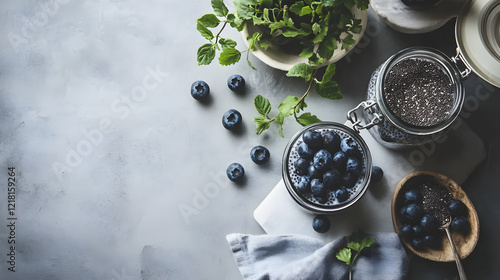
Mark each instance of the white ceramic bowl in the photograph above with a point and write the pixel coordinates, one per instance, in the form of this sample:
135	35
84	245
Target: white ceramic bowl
278	59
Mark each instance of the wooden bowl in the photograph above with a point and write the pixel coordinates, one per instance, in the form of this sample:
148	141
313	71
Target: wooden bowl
465	244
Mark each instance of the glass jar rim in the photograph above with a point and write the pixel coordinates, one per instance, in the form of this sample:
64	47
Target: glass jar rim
450	69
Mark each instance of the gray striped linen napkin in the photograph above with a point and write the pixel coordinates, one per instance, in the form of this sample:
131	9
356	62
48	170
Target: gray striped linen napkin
290	257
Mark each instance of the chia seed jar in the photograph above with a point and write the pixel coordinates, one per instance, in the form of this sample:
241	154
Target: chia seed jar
329	201
412	98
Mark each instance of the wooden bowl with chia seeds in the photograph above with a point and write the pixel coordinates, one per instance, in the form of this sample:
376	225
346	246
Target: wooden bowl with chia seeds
465	243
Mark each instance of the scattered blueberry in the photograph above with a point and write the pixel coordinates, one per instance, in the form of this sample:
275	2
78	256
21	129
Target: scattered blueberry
235	82
339	160
418	244
349	180
304	151
429	223
413	196
377	174
235	172
200	90
301	165
457	208
312	138
342	194
331	140
353	165
260	154
411	213
322	160
406	231
332	178
432	241
231	119
313	172
304	185
350	147
317	187
321	224
460	225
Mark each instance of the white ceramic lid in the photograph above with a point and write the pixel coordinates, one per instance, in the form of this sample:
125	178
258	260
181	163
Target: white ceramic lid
478	38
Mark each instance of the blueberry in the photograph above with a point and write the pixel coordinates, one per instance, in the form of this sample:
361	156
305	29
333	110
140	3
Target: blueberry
418	244
457	208
429	223
235	172
231	119
406	231
418	231
200	90
313	172
377	174
339	160
304	185
260	154
331	140
313	139
332	178
413	196
317	187
432	241
322	160
321	224
349	180
411	213
350	147
301	165
236	82
342	194
304	151
460	225
321	198
353	165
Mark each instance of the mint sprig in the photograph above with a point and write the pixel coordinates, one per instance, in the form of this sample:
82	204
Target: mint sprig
358	242
316	28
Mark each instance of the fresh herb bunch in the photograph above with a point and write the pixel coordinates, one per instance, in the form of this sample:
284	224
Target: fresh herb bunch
357	242
311	29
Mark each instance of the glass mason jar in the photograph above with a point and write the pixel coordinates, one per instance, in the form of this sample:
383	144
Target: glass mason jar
401	125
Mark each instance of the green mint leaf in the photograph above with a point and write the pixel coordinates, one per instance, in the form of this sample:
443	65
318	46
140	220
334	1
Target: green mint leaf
349	4
305	11
307	52
302	70
331	3
205	54
207	34
279	119
219	8
262	105
262	124
297	8
327	47
315	60
227	43
367	242
347	42
329	72
355	246
344	255
362	4
266	3
229	56
329	90
286	106
323	29
277	25
252	39
236	22
244	9
258	20
307	119
264	43
316	28
209	20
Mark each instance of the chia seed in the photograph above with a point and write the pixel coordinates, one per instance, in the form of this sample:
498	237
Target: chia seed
436	200
419	92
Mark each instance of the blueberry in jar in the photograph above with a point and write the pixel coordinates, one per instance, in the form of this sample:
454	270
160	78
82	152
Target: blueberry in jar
259	154
304	185
331	141
332	178
313	172
231	119
339	160
200	90
301	165
350	147
317	187
353	165
236	82
304	151
321	224
342	194
313	139
235	171
322	160
349	180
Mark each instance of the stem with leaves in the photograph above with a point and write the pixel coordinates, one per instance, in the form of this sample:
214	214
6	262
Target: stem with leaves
358	242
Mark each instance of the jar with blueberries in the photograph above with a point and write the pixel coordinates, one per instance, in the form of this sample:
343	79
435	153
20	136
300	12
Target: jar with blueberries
414	96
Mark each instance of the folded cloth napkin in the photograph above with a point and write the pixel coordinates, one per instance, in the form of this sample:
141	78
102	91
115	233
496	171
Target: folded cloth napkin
290	257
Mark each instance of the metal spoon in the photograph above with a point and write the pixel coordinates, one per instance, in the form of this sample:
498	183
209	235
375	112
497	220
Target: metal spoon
445	227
